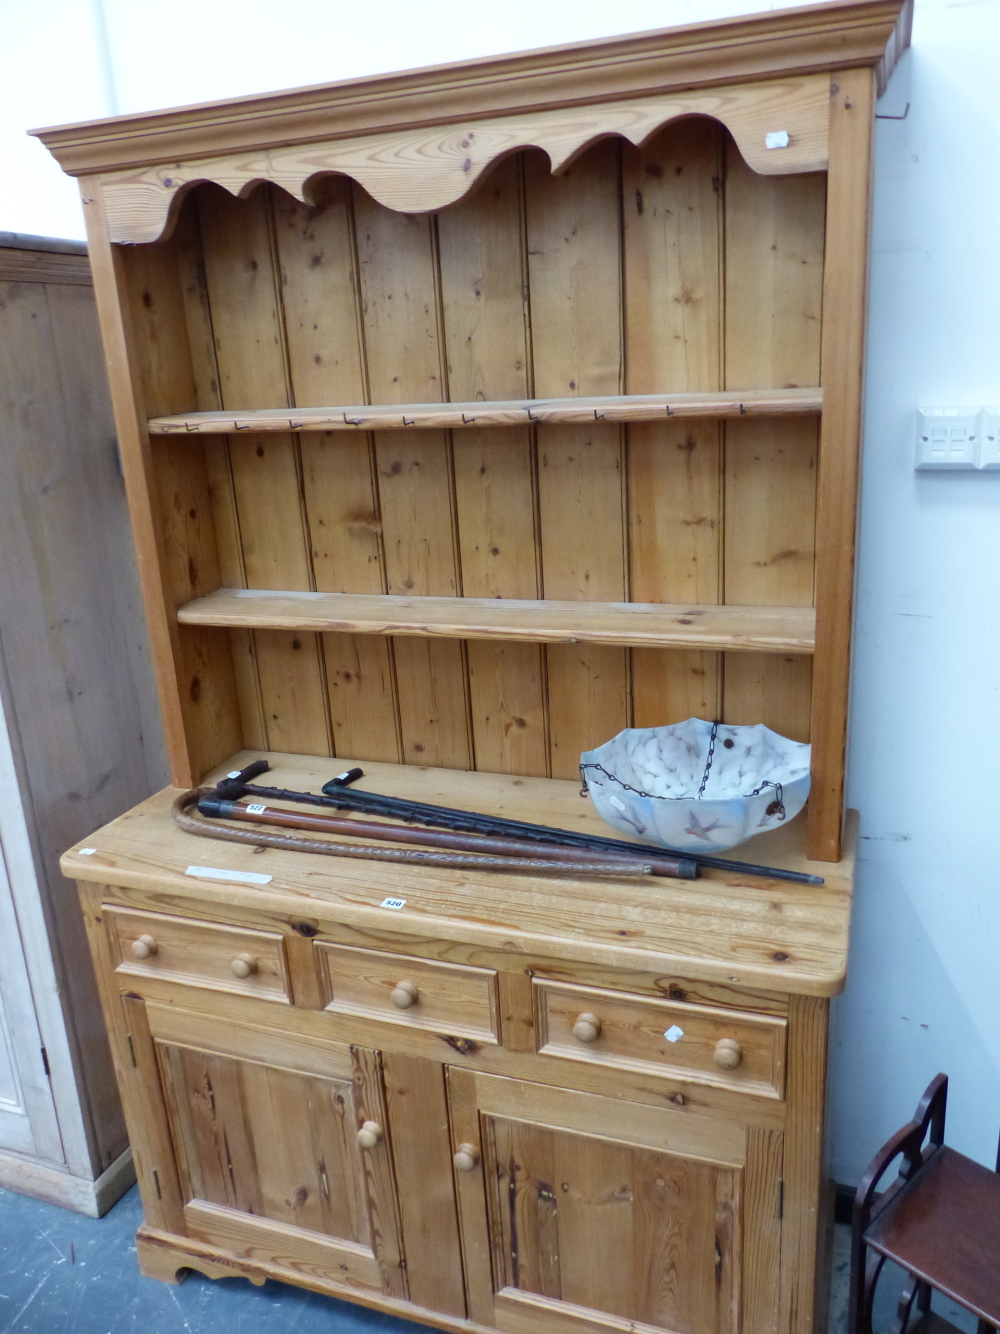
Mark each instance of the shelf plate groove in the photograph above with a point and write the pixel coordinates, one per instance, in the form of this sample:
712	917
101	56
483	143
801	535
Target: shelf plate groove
456	416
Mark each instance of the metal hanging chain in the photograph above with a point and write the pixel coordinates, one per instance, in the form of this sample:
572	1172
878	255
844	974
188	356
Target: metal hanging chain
584	790
776	807
711	757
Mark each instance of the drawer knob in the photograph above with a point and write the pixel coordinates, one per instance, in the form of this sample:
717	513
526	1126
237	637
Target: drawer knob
587	1028
728	1053
144	947
369	1134
243	965
467	1158
404	994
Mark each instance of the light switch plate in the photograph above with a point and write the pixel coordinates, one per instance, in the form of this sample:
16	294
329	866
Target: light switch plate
947	438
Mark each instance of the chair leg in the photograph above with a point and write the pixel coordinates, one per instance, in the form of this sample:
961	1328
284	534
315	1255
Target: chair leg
865	1271
913	1290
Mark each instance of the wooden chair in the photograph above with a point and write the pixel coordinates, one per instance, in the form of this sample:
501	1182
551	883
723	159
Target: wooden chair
939	1220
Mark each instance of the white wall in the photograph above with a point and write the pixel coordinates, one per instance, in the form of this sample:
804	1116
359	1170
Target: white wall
924	986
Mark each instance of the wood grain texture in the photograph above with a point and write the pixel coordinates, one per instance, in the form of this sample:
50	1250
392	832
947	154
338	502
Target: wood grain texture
302	1036
267	1141
487	331
473	581
672	219
383	1202
449	998
774	274
808	1037
517	1011
110	291
799	945
320	298
82	736
244	295
572	1214
471	416
470	1197
574	268
419	1129
307	1256
416	171
134	1065
400	301
43	266
218	466
845	295
199	954
764	46
553	621
159	319
633	1036
162	1254
762	1230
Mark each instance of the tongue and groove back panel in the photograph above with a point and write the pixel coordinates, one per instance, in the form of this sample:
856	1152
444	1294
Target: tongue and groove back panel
673	267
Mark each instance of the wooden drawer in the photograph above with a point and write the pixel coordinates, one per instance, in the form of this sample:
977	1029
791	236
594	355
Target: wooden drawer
452	999
728	1048
200	954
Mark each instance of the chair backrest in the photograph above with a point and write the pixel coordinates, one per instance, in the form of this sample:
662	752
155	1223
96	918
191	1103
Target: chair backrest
917	1142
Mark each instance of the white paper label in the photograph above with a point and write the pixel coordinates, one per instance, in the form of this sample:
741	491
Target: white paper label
87	852
241	877
673	1033
233	773
255	808
777	139
618	805
393	903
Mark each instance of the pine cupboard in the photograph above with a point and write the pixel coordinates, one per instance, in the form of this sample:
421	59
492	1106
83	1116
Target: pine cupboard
467	417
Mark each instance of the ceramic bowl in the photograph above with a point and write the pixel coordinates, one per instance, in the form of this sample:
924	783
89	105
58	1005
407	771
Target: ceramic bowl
697	786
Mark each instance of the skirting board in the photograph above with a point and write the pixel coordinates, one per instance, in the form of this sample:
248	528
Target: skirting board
28	1176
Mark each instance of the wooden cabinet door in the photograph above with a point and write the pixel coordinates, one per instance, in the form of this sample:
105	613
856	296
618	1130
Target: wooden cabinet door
265	1132
586	1214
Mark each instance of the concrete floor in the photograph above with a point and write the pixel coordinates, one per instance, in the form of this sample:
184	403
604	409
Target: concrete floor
62	1272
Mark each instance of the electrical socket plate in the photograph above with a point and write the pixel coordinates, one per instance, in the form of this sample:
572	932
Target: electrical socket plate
947	438
989	439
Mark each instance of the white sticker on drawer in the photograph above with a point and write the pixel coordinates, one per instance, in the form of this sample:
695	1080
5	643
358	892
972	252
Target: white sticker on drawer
393	903
240	877
86	852
673	1033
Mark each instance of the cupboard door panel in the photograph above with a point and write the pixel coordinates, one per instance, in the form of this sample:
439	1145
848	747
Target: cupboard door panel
613	1227
668	1223
270	1163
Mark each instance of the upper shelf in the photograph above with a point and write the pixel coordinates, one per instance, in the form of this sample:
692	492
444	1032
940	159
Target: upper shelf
395	417
629	624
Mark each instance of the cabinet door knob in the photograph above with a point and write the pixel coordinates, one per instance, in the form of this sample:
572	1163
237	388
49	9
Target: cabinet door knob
404	994
728	1054
369	1134
587	1028
143	947
243	965
467	1158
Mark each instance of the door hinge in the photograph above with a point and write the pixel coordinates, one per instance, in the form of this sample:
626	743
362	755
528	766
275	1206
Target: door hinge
45	1063
781	1197
131	1049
